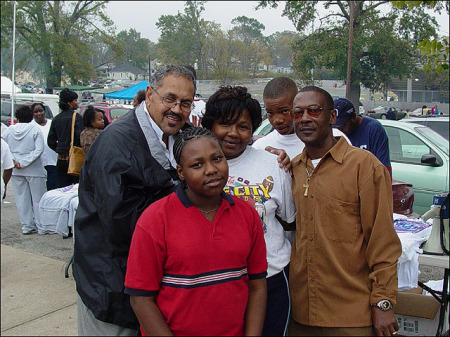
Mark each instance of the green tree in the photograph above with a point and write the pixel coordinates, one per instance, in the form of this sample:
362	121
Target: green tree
57	33
247	29
280	44
251	48
380	52
436	48
219	55
136	49
183	36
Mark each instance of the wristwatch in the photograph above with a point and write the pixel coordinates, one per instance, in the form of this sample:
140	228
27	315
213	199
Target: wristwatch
384	305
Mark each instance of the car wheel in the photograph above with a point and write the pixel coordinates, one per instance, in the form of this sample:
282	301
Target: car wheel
383	116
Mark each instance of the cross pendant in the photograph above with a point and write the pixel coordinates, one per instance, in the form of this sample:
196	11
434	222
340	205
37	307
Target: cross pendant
306	186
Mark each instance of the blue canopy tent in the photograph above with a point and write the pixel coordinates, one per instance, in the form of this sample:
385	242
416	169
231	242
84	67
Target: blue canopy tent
128	93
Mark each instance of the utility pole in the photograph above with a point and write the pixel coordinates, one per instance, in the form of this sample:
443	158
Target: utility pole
350	46
13	66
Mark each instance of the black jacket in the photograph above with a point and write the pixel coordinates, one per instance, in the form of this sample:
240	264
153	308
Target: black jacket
118	181
60	132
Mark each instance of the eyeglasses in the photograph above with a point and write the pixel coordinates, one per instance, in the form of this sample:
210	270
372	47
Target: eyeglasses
312	110
170	102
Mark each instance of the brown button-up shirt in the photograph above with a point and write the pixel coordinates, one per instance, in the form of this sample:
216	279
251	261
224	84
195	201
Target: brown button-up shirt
345	252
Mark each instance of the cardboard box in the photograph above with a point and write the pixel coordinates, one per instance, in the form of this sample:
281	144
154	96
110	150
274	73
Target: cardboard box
417	314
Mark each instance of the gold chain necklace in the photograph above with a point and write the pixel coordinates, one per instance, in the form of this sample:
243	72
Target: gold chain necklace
306	185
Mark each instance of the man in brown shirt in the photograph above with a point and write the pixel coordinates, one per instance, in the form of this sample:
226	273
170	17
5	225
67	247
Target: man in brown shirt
343	273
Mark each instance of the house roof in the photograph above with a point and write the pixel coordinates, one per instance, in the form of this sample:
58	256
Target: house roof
126	67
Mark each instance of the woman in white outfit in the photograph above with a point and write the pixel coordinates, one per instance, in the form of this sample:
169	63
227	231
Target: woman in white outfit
26	143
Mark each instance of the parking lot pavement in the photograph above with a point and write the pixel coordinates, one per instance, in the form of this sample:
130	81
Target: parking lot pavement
37	299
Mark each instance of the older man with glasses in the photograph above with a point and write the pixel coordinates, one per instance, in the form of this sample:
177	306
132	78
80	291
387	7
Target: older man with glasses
129	166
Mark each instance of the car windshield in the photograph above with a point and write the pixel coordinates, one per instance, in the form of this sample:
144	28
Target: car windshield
434	137
438	126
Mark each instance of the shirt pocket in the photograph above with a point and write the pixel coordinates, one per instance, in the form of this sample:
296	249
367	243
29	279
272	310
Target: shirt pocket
341	220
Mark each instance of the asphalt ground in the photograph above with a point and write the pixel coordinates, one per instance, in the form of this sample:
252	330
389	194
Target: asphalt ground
36	298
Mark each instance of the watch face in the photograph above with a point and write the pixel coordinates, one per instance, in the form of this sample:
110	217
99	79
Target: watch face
384	305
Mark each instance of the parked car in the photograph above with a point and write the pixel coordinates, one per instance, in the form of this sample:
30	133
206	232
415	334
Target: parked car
416	112
438	123
111	111
49	99
402	191
380	112
263	129
6	109
419	156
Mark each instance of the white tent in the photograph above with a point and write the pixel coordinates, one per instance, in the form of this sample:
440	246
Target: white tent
7	86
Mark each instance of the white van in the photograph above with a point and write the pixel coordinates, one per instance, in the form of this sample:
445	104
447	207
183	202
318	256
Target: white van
50	99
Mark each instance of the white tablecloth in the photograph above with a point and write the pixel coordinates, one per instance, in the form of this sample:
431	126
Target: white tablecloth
412	233
54	209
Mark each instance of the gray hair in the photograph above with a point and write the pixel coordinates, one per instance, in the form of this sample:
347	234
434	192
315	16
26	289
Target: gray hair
181	71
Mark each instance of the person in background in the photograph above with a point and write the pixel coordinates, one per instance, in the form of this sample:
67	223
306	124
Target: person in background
26	143
128	167
390	114
198	106
105	119
59	136
7	163
197	111
435	110
139	98
255	176
364	132
94	123
278	98
169	291
343	270
48	157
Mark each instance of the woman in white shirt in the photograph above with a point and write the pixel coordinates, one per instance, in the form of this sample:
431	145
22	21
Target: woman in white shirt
256	177
26	143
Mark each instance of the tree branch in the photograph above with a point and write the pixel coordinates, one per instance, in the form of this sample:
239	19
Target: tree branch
342	7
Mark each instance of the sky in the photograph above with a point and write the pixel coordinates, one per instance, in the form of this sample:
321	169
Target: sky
143	15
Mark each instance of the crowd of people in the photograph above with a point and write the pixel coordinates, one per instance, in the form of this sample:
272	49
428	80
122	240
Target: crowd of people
186	227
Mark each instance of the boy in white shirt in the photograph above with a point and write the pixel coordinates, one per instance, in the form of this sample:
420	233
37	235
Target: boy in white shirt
278	98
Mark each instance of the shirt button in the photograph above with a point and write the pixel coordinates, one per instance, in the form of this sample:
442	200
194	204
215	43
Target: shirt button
311	217
312	197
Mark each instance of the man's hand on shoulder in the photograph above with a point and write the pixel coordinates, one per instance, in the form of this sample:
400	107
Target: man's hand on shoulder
283	158
384	322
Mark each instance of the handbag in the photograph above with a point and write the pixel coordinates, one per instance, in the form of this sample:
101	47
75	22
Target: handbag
76	155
